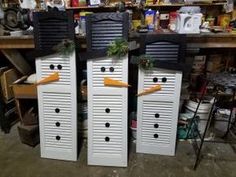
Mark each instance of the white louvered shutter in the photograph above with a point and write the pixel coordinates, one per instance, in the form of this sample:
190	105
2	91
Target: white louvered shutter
158	112
107	112
58	108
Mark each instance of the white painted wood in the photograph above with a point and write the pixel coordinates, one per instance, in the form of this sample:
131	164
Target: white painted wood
100	97
60	95
158	112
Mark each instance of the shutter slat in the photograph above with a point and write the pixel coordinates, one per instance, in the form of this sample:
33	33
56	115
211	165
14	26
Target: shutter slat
51	117
163	51
104	32
52	28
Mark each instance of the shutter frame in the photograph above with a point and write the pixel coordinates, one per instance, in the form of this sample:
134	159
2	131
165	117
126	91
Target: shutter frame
176	39
45	17
117	18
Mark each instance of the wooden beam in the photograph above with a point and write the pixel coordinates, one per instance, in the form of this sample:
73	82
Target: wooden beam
12	42
17	60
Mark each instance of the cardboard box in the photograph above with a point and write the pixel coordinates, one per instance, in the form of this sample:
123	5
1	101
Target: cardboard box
24	90
199	63
29	134
30	117
7	78
3	69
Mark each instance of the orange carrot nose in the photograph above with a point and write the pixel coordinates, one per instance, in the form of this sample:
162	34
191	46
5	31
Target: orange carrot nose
51	78
150	90
114	83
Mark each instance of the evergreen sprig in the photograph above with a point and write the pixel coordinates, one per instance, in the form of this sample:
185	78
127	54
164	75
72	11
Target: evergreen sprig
118	48
145	62
66	47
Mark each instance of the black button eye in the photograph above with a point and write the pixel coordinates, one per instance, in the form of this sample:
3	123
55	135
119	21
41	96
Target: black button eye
59	67
107	124
58	124
164	79
156	125
157	115
155	79
103	69
107	110
58	138
155	135
57	110
51	67
112	69
107	139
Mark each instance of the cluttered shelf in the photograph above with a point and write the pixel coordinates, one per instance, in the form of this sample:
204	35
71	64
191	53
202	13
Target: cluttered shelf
147	5
186	4
207	40
202	40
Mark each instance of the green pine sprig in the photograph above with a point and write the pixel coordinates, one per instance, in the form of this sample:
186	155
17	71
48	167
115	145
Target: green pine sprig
145	62
66	47
118	48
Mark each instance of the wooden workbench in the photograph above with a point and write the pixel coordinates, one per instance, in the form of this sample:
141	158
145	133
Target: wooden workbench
12	42
211	40
203	40
9	46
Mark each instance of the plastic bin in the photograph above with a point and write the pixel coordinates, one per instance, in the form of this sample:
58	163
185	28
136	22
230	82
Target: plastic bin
222	118
203	112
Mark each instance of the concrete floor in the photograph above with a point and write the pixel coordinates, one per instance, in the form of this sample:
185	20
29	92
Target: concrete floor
19	160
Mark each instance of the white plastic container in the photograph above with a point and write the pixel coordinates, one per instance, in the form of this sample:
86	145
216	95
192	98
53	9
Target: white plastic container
16	33
223	114
203	112
157	20
133	132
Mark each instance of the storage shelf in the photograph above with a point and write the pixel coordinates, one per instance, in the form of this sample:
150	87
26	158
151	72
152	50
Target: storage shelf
90	7
186	4
153	5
